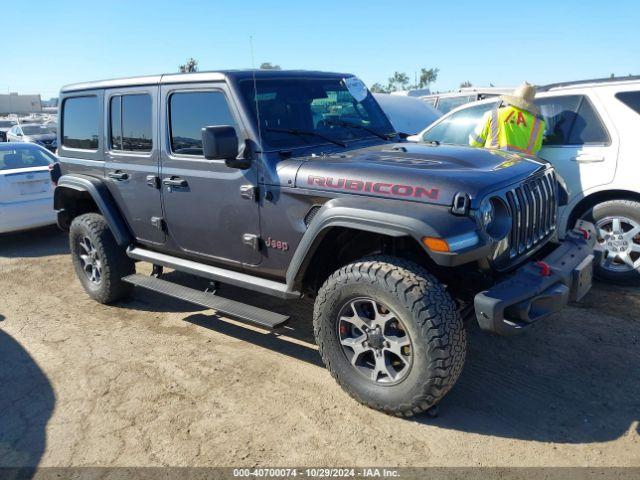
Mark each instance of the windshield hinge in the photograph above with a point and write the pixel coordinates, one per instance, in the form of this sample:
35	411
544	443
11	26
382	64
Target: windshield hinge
461	203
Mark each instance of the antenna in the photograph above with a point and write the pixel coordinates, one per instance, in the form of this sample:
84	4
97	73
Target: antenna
255	92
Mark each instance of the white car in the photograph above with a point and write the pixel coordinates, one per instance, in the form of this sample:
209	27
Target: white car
406	114
592	141
445	102
26	189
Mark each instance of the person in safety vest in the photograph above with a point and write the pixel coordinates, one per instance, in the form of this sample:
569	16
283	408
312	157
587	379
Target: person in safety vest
514	126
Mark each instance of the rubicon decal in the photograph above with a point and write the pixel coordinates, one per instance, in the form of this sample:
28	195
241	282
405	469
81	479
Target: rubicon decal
380	188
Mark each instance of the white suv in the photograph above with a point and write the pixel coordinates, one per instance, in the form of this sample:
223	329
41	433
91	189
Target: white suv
593	128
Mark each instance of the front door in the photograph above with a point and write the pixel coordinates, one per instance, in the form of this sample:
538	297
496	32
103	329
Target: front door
206	215
131	159
577	142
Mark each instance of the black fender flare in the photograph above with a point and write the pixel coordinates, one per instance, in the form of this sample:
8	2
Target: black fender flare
394	218
103	199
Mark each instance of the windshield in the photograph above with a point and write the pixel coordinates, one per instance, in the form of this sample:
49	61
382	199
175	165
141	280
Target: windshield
316	109
23	157
37	129
6	123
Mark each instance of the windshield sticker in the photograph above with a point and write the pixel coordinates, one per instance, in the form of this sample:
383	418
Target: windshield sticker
357	88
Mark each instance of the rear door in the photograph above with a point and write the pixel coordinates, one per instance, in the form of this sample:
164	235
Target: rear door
578	140
131	159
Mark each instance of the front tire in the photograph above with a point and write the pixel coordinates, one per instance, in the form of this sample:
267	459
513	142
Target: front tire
390	334
618	226
99	261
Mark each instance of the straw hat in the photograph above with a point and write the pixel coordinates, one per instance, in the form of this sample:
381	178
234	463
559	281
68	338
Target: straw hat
522	98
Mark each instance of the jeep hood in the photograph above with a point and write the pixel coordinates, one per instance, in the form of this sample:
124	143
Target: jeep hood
416	172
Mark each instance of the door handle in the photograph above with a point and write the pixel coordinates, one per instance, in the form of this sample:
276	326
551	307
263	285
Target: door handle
586	158
118	175
174	182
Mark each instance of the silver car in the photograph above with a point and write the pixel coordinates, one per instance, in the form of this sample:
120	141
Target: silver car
44	135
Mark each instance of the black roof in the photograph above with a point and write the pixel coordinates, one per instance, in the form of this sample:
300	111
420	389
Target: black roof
216	75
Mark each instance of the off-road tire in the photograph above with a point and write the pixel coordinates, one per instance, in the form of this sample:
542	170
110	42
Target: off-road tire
114	262
615	208
427	311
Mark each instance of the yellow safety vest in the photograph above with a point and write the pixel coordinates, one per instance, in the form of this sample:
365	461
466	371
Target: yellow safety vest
509	128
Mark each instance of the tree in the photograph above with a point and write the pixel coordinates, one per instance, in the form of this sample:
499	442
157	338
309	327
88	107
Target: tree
269	66
466	84
427	77
399	81
190	66
377	88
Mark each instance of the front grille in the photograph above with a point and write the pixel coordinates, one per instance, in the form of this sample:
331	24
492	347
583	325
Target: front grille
534	209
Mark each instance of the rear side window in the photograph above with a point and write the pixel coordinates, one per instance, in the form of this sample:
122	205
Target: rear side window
630	99
455	128
23	158
130	124
80	119
571	120
189	112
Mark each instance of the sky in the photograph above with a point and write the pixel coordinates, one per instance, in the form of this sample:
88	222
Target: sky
500	42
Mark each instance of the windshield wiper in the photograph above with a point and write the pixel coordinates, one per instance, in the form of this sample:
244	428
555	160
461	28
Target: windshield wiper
343	123
300	133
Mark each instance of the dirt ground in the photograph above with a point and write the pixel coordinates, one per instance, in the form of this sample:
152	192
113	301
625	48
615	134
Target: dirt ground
155	381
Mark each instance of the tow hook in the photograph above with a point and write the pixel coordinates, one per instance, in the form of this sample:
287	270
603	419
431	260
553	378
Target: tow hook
545	269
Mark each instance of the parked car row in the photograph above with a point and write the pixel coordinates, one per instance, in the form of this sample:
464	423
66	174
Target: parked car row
591	141
445	102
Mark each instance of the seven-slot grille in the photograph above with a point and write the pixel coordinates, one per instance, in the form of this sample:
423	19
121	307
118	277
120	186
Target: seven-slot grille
534	209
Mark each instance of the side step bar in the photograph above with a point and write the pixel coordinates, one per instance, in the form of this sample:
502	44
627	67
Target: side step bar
230	277
242	311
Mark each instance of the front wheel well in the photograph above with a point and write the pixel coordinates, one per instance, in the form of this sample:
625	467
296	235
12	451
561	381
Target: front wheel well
71	203
588	202
341	246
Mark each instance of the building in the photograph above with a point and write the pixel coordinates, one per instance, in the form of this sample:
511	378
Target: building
19	104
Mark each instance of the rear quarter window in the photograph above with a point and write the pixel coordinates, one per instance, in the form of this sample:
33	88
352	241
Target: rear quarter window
80	120
630	99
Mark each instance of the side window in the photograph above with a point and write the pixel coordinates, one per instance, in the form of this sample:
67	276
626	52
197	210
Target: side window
80	120
130	125
189	112
630	99
430	101
571	120
446	104
456	127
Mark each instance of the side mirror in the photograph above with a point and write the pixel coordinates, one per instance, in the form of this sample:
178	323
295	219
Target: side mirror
220	143
414	138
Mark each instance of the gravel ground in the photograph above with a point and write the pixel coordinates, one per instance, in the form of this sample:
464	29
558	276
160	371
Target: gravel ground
154	381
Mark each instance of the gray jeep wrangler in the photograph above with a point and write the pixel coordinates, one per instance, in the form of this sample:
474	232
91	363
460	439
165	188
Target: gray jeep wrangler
294	184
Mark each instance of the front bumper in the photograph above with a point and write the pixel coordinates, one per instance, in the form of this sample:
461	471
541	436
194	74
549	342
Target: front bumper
538	289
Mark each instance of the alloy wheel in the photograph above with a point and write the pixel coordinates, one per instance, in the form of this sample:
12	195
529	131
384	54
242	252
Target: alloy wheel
619	243
90	261
375	341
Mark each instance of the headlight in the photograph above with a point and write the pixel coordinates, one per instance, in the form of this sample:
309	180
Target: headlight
494	217
486	213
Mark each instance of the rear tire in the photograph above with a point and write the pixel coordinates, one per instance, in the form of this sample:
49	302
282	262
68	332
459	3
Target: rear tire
410	349
618	225
99	261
